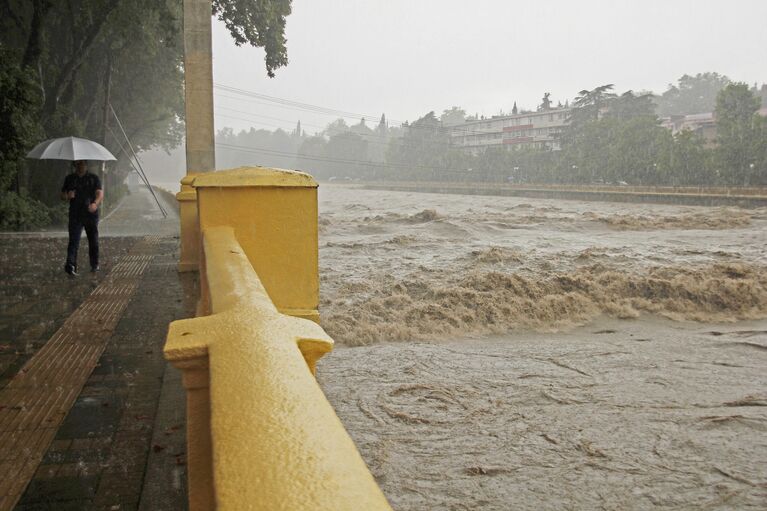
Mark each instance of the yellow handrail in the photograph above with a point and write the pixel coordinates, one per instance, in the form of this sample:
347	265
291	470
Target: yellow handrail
275	441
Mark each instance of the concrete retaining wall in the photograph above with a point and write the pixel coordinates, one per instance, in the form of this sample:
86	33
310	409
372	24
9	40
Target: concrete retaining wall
742	197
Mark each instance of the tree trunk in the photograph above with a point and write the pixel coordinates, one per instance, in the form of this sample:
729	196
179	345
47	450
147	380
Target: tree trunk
33	50
67	74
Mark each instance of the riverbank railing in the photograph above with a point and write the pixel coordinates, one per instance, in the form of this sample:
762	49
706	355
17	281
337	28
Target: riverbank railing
726	191
706	196
261	434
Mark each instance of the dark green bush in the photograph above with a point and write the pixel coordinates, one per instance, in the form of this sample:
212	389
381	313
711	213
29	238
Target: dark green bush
20	212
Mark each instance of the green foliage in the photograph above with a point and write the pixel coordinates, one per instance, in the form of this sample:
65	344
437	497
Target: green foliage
612	139
641	153
631	106
588	105
453	116
424	146
67	55
59	58
312	157
336	128
692	94
19	101
741	135
21	212
260	24
349	150
690	161
262	147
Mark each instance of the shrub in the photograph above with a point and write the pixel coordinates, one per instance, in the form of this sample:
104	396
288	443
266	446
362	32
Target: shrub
21	212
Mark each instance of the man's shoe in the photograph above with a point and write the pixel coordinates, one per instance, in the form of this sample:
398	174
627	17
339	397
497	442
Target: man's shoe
71	270
96	268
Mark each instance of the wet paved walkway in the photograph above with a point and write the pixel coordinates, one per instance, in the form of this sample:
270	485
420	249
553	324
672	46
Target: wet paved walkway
94	417
34	403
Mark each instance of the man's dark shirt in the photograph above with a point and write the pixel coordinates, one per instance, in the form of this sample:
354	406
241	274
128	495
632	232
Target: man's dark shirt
85	193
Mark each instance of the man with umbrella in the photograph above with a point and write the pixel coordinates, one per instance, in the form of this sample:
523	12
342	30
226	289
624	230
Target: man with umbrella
84	193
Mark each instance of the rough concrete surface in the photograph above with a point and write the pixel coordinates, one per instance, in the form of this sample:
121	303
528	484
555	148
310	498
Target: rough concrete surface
122	445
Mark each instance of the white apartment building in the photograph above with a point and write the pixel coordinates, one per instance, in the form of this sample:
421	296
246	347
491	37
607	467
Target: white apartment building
529	130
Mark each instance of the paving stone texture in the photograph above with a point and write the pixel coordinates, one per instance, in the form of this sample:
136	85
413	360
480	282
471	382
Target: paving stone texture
91	416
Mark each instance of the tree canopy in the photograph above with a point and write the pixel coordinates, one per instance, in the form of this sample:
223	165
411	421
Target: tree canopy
741	134
692	94
60	60
258	23
616	139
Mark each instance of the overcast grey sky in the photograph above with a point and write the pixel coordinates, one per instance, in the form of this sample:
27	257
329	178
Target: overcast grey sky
406	57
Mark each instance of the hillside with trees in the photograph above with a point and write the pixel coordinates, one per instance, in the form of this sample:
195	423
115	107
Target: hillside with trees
611	138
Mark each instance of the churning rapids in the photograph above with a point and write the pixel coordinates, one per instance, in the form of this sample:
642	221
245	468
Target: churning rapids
404	266
515	353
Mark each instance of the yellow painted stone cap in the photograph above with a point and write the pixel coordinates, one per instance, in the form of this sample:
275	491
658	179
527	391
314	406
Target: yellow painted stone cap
254	176
189	178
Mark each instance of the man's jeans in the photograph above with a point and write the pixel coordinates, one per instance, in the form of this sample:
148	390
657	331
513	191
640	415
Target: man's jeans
76	225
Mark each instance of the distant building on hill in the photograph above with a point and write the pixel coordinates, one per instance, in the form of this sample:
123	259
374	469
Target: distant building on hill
537	130
540	130
703	124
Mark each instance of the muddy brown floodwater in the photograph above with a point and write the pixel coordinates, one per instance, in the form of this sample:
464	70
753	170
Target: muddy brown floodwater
508	353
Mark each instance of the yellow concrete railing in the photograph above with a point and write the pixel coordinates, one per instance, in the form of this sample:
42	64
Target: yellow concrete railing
261	434
188	226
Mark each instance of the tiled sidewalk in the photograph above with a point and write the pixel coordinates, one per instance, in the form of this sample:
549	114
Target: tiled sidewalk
121	445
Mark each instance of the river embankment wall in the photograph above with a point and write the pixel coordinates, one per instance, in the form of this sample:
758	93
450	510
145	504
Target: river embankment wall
752	197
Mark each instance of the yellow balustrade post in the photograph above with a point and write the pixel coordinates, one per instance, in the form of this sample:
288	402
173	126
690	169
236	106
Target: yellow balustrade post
199	454
276	440
274	216
261	433
190	356
189	228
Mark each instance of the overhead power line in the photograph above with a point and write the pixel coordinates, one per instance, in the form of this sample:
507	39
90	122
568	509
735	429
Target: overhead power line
298	156
318	109
294	104
372	136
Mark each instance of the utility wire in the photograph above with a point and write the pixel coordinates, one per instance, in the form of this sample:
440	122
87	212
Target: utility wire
342	113
292	103
368	163
141	175
299	156
371	137
130	160
290	121
138	161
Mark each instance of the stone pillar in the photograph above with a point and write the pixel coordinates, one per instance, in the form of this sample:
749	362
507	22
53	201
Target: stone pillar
200	132
198	86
